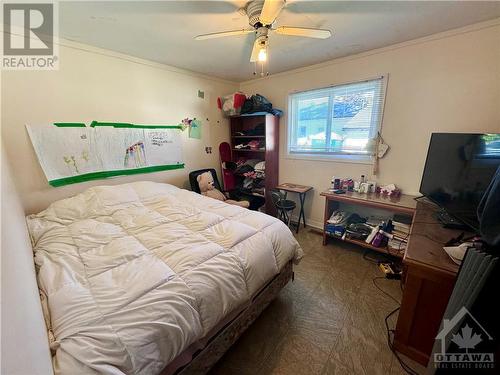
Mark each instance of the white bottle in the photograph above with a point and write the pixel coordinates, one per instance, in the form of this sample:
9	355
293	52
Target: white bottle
372	235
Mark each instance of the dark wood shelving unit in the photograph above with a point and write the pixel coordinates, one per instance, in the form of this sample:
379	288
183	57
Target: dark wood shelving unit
270	155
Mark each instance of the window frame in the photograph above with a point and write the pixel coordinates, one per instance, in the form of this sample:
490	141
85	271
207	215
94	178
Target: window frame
292	125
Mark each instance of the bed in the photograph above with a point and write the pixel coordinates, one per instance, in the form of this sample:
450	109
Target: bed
146	277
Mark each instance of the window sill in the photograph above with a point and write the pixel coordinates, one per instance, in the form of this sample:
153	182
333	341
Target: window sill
354	159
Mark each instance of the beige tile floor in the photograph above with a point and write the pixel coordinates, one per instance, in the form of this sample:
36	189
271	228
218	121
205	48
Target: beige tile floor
330	320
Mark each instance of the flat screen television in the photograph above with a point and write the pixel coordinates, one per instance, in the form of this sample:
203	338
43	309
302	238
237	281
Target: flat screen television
458	169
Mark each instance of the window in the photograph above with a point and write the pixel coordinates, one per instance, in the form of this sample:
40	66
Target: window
336	122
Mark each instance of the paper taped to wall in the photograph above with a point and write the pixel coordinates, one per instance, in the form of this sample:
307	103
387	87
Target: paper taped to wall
157	141
72	154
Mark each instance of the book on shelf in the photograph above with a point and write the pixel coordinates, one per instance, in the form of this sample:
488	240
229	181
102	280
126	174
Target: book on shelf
400	235
396	245
402	228
401	239
401	225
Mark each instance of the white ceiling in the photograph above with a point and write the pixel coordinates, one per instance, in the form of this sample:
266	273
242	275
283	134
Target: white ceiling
163	31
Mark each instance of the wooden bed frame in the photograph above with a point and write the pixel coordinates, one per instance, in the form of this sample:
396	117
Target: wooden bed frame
203	359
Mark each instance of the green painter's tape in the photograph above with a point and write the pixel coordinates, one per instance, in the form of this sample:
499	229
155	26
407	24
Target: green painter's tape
121	172
126	125
69	124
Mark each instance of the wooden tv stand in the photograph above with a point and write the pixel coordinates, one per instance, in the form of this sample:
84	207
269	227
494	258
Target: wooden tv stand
428	278
404	204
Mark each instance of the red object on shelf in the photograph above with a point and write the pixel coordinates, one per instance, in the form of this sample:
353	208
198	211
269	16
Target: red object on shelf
239	99
231	104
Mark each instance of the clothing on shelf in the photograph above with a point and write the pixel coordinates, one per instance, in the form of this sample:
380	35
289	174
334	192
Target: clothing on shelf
244	166
260	169
241	146
252	145
259	129
256	145
260	166
259	190
253	171
247	183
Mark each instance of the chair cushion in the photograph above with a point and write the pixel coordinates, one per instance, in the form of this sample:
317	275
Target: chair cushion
286	204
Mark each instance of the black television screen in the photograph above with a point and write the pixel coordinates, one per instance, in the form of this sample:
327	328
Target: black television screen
458	169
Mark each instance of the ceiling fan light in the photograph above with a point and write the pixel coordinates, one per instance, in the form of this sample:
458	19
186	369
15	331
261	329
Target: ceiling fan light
262	57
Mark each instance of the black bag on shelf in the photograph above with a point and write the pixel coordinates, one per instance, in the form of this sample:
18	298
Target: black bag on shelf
256	103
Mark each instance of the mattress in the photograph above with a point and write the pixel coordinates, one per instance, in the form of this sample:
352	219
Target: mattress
132	275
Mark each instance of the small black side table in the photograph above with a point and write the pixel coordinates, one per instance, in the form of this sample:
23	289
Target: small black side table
301	190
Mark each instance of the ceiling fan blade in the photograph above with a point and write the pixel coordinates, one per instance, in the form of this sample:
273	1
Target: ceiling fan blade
255	51
270	11
223	34
304	31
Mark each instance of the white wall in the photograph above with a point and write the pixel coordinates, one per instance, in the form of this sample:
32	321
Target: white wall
24	346
94	84
448	82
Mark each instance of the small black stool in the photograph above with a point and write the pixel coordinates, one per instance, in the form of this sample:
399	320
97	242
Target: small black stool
284	206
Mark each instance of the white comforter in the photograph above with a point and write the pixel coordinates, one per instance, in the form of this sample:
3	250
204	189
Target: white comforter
133	274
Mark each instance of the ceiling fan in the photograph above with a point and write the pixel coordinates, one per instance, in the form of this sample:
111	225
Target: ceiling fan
262	15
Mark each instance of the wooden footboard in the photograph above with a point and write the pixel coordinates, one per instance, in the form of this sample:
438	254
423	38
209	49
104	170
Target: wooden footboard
203	360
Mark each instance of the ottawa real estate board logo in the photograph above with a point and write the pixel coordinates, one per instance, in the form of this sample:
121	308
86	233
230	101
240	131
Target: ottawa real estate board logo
29	31
464	344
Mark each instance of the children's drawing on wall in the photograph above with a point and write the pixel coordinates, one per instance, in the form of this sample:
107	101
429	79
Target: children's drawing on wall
194	127
135	156
85	156
162	146
71	164
73	152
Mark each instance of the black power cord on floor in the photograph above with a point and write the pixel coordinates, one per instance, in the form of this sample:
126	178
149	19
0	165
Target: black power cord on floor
383	291
404	366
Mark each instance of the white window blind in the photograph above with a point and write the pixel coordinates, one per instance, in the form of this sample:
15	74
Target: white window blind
338	120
